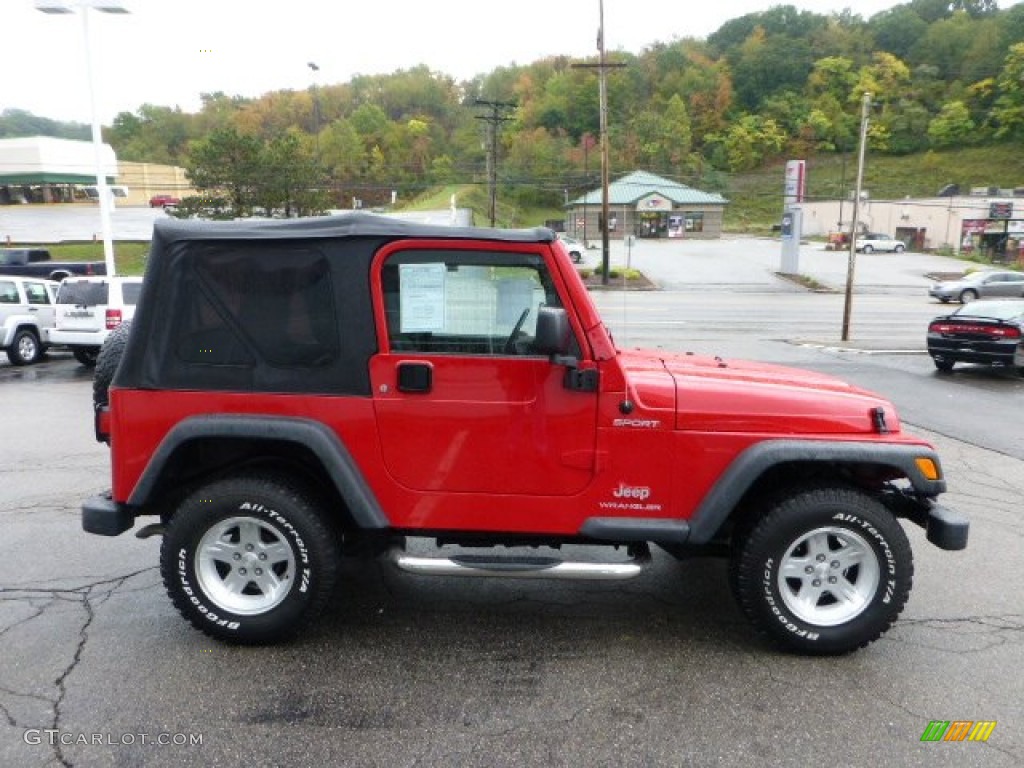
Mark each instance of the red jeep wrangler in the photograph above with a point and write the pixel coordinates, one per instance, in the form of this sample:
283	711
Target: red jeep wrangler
294	391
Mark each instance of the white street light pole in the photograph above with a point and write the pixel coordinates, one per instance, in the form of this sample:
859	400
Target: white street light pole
83	7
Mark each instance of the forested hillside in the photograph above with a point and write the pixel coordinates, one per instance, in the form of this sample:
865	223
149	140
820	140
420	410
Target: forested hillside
765	86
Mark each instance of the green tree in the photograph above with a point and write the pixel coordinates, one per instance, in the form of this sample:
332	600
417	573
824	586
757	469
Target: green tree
1008	109
227	163
765	65
341	150
897	30
748	142
289	177
952	127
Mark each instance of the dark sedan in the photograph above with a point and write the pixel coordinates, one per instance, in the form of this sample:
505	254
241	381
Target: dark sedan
986	332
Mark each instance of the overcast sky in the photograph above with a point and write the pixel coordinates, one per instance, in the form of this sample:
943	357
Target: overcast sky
168	52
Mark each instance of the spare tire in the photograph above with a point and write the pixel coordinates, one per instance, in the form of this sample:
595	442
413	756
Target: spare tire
107	362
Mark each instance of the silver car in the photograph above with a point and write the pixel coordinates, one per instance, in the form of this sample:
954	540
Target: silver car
982	284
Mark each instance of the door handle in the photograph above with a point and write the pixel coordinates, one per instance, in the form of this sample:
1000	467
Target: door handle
416	378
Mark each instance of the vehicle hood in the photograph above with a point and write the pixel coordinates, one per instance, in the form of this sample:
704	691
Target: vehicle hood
718	394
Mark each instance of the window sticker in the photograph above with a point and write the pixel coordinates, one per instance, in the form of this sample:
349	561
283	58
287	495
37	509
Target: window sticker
422	291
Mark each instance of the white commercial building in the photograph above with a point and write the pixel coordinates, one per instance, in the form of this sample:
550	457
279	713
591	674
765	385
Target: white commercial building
988	221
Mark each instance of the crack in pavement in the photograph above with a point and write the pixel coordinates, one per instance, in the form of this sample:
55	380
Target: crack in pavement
89	596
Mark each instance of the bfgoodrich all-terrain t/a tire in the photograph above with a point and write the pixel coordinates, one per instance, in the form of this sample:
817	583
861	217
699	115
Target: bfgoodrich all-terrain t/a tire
248	559
826	571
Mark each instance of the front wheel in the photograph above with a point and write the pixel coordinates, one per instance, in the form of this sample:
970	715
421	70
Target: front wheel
899	249
867	249
249	559
825	571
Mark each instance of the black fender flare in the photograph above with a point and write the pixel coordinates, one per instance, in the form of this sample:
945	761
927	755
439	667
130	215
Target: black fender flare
746	468
322	441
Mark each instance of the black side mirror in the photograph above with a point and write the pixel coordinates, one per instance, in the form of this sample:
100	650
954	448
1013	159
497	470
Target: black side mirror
553	332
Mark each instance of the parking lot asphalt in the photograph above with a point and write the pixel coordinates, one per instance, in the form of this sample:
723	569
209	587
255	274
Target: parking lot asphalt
753	264
410	671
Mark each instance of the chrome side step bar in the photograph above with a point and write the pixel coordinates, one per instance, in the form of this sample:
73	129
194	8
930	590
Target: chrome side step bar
517	567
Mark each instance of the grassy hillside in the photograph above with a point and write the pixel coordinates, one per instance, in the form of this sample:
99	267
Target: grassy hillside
475	196
756	197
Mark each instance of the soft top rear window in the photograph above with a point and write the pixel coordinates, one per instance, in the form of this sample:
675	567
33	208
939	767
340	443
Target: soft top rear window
83	293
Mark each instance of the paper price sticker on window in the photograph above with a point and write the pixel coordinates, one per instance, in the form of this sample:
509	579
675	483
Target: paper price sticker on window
422	297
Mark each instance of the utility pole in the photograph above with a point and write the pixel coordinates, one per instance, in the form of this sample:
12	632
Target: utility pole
848	304
602	67
493	120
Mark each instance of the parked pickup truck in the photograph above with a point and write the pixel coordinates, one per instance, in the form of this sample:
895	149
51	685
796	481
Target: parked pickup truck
36	262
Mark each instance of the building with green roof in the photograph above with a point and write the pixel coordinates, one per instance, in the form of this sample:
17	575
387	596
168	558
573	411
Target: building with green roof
647	205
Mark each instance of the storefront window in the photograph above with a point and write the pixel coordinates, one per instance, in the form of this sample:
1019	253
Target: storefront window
694	222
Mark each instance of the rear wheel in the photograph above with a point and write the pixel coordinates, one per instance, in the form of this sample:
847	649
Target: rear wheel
86	355
868	249
825	571
25	348
249	559
943	365
899	249
968	295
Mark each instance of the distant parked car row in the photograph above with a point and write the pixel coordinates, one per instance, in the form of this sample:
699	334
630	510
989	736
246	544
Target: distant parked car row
76	314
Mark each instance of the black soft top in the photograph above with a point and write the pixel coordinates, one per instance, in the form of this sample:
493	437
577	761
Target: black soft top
269	305
169	230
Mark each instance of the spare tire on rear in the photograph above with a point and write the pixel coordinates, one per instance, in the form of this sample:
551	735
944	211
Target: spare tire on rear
107	362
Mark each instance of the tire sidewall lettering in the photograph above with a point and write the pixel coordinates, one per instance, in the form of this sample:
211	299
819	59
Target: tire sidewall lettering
193	593
884	593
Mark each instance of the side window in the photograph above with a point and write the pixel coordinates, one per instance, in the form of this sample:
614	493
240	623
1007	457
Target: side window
273	306
8	292
36	293
465	302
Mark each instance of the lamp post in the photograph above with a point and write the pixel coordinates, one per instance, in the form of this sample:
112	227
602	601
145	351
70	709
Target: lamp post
314	68
83	8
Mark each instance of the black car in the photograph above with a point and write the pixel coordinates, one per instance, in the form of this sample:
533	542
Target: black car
987	332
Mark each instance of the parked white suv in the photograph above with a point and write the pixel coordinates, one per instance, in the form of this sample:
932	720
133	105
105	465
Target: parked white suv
873	241
89	308
26	317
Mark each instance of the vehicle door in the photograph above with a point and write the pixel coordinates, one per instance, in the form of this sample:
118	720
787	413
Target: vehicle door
40	303
10	301
463	404
1009	284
